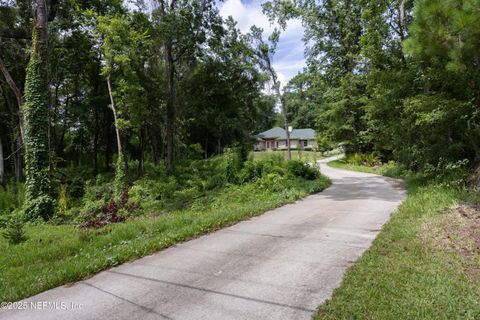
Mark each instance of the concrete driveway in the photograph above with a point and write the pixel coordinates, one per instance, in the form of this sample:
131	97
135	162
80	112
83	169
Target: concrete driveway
280	265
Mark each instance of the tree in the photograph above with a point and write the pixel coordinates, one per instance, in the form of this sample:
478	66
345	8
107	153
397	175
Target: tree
39	202
15	29
2	163
182	28
444	39
120	44
302	96
264	53
18	96
222	101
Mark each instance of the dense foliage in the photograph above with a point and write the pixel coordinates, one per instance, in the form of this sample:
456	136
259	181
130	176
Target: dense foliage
119	88
102	86
398	78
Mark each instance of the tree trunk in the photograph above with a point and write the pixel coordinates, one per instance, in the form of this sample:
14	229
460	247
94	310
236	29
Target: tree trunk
108	150
170	74
281	99
285	122
2	163
18	158
141	165
16	142
115	119
206	147
18	95
95	145
36	112
18	161
155	143
121	165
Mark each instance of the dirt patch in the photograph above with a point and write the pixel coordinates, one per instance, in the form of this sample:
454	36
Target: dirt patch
458	232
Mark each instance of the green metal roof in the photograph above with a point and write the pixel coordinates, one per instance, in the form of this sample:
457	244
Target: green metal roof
278	133
273	133
303	134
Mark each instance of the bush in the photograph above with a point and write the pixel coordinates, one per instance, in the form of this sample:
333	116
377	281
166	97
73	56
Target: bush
251	171
273	182
98	189
303	170
100	213
152	195
183	198
14	231
120	177
232	166
367	159
11	197
448	172
355	158
371	159
195	151
76	187
41	207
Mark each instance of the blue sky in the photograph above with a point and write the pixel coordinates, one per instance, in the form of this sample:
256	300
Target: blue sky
289	58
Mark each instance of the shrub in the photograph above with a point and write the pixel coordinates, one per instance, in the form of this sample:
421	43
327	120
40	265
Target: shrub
215	181
4	220
76	187
448	172
41	207
355	158
183	198
120	177
273	182
152	194
303	170
394	170
251	171
62	199
11	197
367	159
232	166
14	232
155	171
371	159
98	189
195	151
100	213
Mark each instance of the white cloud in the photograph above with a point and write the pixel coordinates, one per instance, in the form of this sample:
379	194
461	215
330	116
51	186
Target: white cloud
289	58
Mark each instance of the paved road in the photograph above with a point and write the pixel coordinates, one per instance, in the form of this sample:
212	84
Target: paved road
281	265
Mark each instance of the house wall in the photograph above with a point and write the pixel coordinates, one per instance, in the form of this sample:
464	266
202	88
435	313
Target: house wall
282	144
295	144
312	144
271	145
260	145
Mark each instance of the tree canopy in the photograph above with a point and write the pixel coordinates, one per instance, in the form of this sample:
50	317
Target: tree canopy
101	85
398	78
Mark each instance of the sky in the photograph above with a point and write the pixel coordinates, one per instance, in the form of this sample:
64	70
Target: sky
289	58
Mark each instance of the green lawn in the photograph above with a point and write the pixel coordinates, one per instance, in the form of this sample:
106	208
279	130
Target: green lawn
409	273
55	255
296	154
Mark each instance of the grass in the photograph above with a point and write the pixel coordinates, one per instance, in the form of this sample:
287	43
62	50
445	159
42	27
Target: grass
55	255
389	170
296	154
405	275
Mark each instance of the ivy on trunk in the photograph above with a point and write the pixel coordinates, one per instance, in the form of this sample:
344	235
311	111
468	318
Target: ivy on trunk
39	202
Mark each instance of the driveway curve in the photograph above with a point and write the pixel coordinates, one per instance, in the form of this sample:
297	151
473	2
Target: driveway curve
280	265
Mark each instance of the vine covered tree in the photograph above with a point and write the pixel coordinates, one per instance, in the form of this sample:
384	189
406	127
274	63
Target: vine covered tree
39	202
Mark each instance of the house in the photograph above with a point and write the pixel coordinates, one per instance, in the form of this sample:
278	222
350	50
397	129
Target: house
276	139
